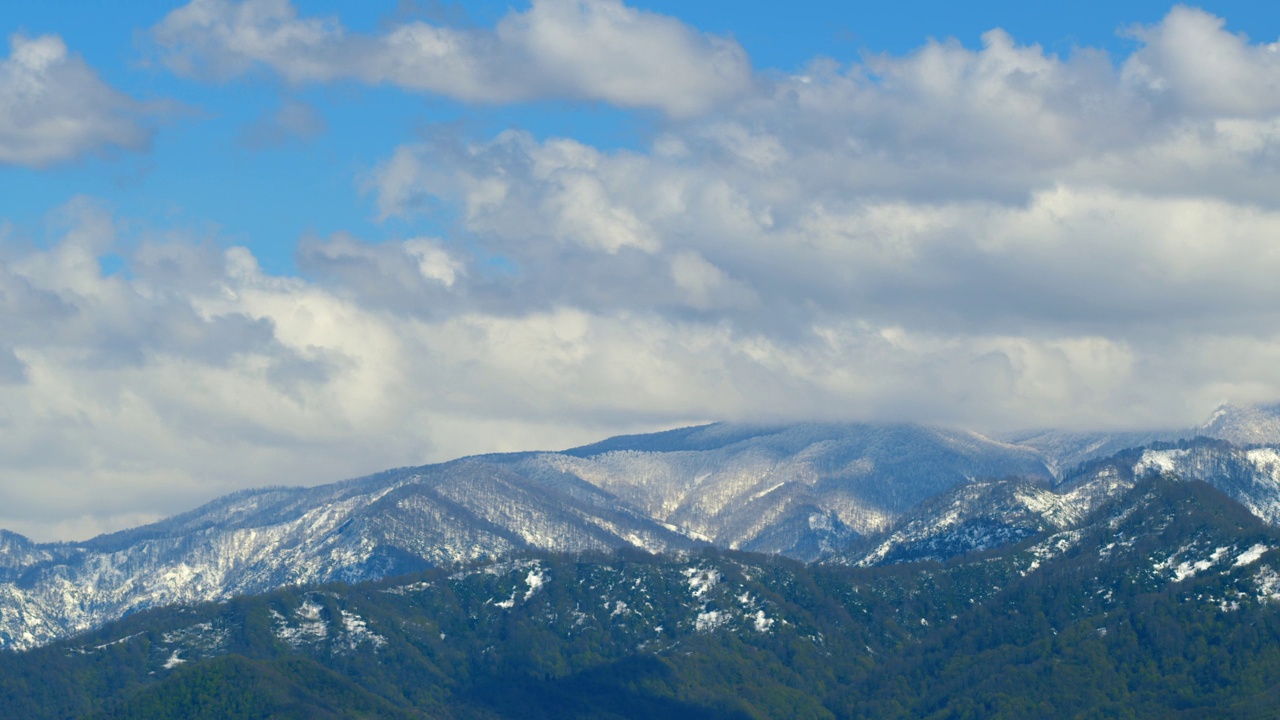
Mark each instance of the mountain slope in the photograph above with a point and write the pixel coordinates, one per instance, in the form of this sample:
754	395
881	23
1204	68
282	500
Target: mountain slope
251	542
1253	425
1064	450
863	493
798	490
992	513
1163	603
743	486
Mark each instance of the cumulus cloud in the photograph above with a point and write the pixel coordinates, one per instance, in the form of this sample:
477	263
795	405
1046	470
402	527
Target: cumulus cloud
575	49
1192	65
993	237
962	224
54	107
197	373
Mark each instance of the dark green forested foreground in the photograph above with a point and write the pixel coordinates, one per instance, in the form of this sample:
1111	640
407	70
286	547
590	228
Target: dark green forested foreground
1160	607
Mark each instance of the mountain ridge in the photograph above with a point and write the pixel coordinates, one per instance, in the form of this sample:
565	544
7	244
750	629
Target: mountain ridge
808	491
1165	600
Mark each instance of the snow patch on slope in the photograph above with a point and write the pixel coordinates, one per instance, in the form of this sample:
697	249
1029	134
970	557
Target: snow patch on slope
1250	556
1162	461
702	580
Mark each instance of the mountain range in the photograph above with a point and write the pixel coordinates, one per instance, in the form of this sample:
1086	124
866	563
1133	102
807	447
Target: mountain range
851	493
1163	602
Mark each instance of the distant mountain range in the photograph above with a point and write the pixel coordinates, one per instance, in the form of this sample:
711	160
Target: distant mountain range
854	493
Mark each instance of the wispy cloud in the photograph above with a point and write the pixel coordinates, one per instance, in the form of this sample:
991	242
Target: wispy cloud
292	120
571	49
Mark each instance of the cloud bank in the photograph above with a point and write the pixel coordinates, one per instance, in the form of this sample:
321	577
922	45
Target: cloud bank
996	237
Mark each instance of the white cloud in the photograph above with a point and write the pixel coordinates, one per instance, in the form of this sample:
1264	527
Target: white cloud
1044	231
54	107
434	262
415	266
929	188
994	237
198	373
1191	63
575	49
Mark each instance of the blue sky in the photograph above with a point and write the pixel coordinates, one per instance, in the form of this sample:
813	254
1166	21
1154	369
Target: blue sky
261	241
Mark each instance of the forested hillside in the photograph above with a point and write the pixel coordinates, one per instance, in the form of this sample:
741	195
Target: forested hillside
1163	604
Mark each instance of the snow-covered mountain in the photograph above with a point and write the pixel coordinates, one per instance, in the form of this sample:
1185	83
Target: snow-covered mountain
1063	450
1257	425
794	490
799	490
250	542
991	513
862	493
1163	603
